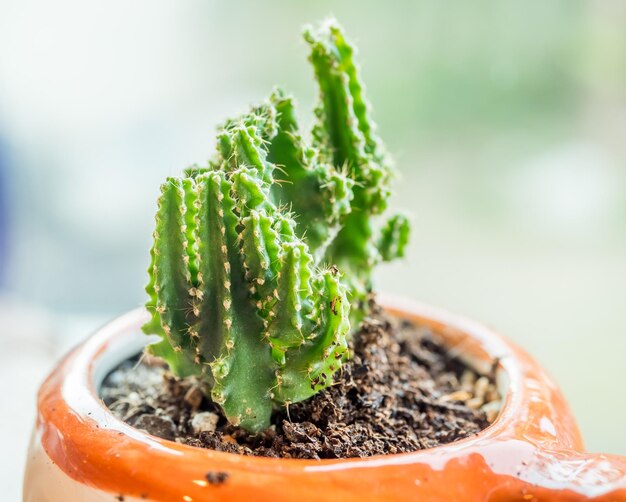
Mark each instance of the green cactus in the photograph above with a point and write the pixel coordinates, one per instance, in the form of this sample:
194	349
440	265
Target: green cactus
345	135
243	289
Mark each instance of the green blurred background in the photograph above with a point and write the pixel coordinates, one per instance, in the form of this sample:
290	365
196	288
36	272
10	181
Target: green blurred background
507	120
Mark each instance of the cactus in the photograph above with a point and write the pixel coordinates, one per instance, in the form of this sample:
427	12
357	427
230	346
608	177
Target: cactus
345	135
245	287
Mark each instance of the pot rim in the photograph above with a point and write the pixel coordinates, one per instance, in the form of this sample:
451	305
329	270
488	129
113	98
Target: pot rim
99	354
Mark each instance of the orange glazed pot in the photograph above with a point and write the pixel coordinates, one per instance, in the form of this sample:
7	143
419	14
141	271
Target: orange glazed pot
533	451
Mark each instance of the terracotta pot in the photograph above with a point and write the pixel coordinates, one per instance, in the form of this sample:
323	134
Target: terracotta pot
533	451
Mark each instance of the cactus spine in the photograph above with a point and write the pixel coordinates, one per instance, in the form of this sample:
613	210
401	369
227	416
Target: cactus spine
243	286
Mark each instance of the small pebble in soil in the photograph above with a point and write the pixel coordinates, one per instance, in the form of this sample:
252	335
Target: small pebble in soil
205	421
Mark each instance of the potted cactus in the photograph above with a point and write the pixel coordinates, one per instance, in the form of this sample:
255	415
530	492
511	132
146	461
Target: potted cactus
260	304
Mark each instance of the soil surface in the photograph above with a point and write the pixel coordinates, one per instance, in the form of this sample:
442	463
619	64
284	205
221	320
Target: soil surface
400	392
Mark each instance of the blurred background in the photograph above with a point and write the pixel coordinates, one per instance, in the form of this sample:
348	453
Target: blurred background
507	120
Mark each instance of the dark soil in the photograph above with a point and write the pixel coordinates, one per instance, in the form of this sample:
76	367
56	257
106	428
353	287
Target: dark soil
400	392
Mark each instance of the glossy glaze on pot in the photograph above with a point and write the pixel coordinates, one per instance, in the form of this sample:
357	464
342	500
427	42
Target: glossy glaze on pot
533	451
